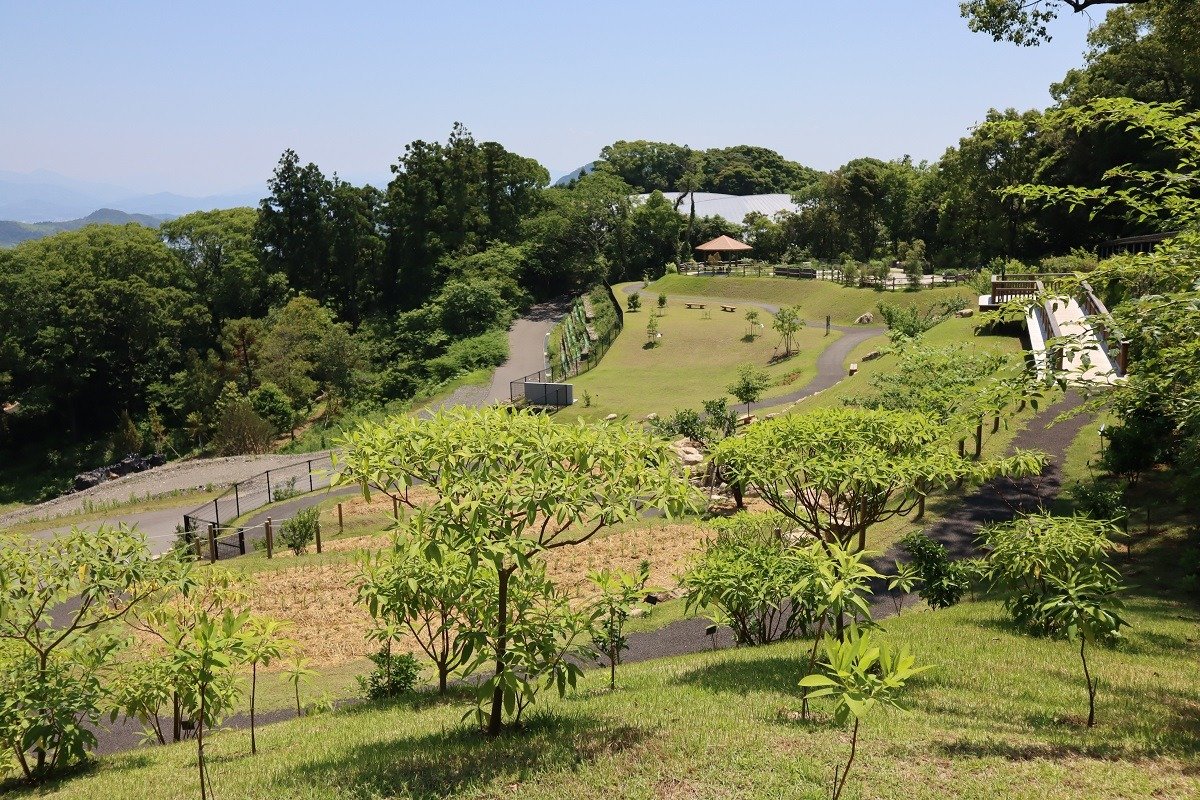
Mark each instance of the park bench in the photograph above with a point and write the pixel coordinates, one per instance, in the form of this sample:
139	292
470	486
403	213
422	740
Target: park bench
730	309
694	305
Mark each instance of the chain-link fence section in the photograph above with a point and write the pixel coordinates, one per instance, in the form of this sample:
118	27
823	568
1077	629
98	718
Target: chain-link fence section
272	486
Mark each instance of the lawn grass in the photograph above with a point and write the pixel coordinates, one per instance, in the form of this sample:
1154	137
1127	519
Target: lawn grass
816	298
1000	715
696	358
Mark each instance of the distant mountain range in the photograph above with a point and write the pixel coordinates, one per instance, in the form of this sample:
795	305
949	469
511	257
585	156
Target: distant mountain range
34	197
13	233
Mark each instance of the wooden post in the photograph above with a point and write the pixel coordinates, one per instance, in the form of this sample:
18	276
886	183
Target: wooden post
318	536
196	542
212	543
270	539
242	541
978	440
341	525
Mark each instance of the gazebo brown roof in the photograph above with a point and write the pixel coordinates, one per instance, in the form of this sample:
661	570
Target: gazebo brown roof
724	244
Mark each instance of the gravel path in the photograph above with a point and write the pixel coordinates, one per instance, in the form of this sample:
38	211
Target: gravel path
177	476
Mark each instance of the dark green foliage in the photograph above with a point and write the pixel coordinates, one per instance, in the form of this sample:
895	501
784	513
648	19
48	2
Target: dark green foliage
906	322
392	676
270	403
1100	499
466	355
301	530
240	430
942	582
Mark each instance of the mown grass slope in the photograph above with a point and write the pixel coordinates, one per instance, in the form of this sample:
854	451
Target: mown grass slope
1000	716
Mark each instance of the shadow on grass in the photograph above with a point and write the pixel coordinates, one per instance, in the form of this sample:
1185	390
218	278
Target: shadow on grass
441	764
16	786
773	674
1103	750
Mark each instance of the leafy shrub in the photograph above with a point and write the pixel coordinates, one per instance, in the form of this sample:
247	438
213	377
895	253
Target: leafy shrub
1099	500
662	300
272	404
942	581
240	430
285	490
393	675
301	530
487	350
1030	558
634	302
757	584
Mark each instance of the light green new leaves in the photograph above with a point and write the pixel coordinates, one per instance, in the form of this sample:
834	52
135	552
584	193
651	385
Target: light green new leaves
837	471
508	476
861	674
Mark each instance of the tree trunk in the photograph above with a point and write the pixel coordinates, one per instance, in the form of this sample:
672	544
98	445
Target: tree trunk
978	439
1091	687
442	673
496	719
846	771
253	687
200	746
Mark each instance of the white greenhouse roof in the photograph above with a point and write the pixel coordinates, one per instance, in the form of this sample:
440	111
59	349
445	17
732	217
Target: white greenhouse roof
731	206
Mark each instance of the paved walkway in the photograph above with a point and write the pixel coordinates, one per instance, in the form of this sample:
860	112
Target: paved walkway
526	355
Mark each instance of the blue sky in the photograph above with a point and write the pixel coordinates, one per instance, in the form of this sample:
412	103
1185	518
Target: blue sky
203	97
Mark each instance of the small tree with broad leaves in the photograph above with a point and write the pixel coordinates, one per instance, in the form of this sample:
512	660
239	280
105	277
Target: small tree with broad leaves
835	472
509	487
860	675
58	600
750	385
1085	609
619	593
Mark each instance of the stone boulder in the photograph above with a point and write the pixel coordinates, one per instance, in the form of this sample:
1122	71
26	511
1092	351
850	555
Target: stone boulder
865	319
964	312
871	356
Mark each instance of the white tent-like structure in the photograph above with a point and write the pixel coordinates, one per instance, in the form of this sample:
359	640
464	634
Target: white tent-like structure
730	207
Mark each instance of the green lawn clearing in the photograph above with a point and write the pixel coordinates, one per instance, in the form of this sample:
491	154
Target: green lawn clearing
696	358
816	298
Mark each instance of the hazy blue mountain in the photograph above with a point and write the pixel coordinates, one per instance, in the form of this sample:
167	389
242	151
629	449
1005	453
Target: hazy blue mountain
575	173
42	195
13	233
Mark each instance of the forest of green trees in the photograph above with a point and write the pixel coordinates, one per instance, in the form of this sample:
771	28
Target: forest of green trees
227	328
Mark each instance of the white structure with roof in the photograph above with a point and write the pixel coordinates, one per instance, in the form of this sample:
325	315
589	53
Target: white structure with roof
731	207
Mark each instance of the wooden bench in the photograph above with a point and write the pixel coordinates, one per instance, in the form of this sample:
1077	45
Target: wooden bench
694	305
730	309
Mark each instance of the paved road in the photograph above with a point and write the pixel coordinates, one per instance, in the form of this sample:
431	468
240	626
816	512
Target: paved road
526	355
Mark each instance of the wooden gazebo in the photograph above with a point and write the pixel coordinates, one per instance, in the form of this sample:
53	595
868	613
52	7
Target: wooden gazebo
722	245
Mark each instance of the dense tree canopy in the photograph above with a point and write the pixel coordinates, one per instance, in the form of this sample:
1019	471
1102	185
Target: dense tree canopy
1024	22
